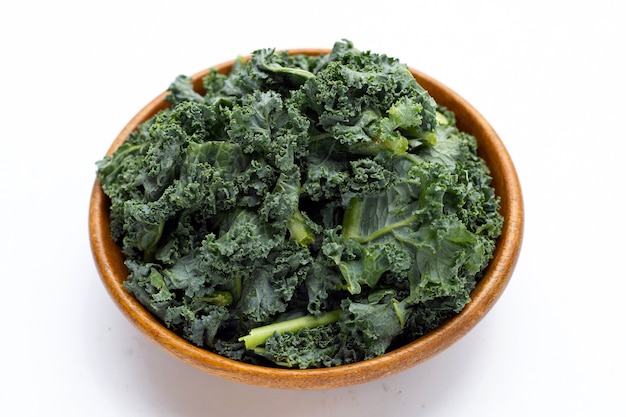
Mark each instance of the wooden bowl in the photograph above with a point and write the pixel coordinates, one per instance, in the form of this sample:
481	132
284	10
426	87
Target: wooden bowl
110	264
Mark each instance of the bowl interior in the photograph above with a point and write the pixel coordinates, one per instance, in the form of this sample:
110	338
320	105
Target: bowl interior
110	264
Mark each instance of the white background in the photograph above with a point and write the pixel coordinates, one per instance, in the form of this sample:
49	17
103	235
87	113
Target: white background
548	75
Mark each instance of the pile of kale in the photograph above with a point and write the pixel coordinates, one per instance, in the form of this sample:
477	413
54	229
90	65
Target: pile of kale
304	211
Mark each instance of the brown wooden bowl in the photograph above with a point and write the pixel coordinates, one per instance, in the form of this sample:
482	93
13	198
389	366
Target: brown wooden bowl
110	264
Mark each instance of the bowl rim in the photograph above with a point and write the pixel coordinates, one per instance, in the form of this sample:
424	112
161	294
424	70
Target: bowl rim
107	257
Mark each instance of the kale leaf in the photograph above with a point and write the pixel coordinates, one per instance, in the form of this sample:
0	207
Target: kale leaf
303	211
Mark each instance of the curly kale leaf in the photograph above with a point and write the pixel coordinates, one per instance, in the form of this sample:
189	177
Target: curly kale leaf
363	329
315	347
268	70
181	90
368	103
372	324
267	127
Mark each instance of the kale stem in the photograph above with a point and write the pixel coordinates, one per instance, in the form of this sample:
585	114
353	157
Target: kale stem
299	230
220	298
352	218
259	335
237	287
384	230
411	157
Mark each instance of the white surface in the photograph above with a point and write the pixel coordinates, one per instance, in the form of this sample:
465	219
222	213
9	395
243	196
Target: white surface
548	75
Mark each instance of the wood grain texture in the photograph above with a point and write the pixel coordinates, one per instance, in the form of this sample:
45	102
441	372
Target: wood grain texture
110	264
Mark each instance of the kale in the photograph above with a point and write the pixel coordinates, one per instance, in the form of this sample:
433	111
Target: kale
304	211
